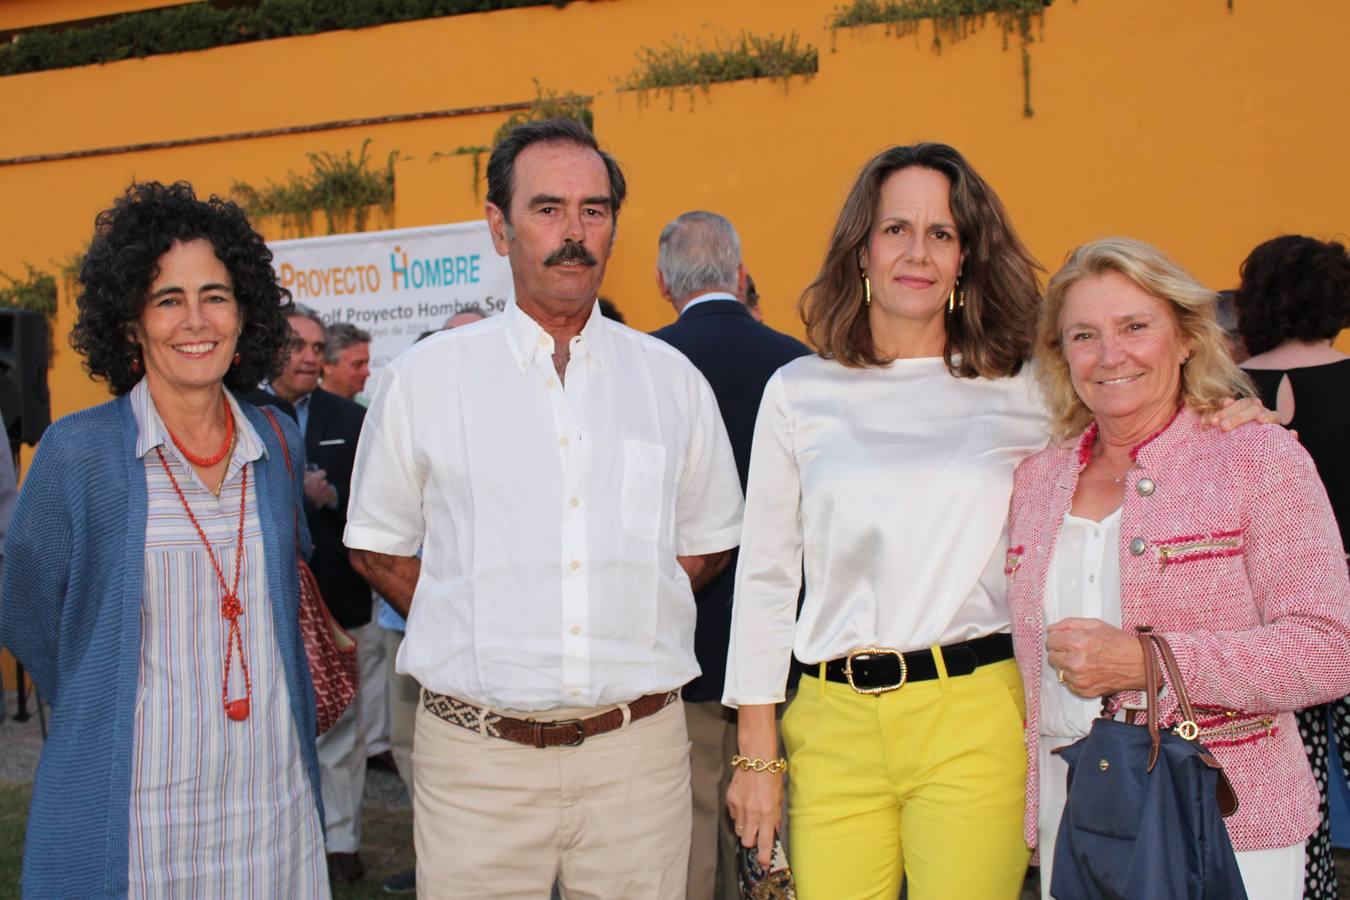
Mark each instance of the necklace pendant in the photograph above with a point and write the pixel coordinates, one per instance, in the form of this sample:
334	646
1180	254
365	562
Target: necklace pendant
237	710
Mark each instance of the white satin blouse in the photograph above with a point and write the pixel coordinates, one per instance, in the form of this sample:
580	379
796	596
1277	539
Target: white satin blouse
890	486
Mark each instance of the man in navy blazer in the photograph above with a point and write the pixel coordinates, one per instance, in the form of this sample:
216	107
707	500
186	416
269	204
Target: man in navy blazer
331	426
699	270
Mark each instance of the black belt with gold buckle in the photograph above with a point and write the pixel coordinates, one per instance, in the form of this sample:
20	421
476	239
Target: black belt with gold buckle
876	670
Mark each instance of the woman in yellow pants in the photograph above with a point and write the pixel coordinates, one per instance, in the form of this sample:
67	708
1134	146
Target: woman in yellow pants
882	467
885	463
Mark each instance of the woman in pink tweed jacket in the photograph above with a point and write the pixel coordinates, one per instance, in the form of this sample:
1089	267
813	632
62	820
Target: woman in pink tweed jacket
1223	541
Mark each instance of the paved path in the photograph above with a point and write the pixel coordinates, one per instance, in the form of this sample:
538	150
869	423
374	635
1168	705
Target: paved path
20	743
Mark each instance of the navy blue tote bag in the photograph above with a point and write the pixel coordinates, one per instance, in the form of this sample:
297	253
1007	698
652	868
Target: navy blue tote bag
1145	809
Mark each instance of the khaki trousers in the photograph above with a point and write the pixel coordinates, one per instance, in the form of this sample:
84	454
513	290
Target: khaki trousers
607	819
712	848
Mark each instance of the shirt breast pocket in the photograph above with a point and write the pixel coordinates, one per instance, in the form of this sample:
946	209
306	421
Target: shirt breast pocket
644	481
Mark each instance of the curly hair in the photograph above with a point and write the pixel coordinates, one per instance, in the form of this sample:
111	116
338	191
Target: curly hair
991	336
123	261
1294	288
1209	376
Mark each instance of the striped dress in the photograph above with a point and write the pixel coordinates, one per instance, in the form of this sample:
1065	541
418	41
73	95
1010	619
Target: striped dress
218	808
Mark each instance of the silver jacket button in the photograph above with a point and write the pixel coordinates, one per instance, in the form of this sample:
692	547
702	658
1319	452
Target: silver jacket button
1137	546
1144	486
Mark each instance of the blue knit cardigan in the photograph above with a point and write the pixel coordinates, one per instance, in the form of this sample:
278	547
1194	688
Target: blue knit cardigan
70	611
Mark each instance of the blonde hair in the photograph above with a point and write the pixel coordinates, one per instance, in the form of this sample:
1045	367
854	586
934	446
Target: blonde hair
1208	378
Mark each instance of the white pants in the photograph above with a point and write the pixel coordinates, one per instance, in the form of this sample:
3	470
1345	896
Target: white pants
342	780
374	688
403	695
1275	874
342	760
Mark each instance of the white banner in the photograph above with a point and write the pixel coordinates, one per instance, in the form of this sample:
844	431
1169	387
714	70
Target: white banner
395	284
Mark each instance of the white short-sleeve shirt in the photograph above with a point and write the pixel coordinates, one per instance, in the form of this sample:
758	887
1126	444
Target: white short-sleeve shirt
549	517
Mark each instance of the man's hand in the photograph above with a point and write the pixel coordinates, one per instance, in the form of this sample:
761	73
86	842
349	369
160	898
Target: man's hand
318	491
703	569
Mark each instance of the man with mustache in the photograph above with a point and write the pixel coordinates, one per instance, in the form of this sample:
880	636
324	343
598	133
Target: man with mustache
569	482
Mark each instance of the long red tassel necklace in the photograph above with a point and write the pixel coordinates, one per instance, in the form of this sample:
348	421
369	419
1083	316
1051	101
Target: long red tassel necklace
230	608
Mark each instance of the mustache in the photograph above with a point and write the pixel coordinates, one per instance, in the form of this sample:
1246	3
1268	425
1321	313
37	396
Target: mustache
571	252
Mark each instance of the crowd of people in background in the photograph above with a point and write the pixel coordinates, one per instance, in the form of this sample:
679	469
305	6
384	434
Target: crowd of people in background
633	611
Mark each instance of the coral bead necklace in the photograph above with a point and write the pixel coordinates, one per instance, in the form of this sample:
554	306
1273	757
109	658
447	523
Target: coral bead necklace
206	462
230	607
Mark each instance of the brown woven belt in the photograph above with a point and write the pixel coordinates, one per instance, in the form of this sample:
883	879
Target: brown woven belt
532	733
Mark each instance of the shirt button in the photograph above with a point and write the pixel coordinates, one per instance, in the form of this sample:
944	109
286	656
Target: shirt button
562	441
574	692
1092	579
575	629
550	383
543	340
576	564
1137	546
1145	486
574	502
1096	533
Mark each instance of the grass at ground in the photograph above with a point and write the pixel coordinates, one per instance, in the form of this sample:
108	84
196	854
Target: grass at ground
386	849
386	845
13	812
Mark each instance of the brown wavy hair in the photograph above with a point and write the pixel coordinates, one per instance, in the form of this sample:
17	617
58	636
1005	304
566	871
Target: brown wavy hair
990	336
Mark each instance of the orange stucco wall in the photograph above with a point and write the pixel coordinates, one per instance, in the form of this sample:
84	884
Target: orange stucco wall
1203	130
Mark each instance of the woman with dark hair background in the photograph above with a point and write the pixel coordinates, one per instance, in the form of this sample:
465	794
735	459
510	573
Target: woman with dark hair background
151	587
1293	302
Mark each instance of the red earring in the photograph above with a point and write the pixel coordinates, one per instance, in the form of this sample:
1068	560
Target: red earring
236	358
136	365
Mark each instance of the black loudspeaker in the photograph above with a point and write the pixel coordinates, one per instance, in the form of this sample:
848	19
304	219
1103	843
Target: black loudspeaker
24	400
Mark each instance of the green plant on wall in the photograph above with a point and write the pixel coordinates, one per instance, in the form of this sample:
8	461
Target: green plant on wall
952	20
36	293
547	104
200	26
342	185
687	64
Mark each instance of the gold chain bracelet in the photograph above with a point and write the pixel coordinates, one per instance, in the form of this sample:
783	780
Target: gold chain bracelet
747	764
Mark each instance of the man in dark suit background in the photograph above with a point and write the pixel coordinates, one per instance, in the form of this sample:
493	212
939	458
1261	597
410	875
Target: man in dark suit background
699	270
331	425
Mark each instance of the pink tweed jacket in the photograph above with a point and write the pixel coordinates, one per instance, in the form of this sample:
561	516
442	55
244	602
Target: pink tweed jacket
1229	548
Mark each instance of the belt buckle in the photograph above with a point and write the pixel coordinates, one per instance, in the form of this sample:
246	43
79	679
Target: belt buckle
578	725
876	651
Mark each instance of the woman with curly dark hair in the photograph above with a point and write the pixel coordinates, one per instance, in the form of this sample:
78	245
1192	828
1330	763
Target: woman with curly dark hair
1293	302
151	589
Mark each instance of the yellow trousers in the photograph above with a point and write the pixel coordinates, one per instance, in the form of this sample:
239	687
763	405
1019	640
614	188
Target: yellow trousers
925	782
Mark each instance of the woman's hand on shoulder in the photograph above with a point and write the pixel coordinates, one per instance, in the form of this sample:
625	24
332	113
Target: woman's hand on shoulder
1094	659
1234	413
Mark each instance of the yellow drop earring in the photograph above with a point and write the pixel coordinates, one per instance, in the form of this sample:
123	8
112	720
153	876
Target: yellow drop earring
867	291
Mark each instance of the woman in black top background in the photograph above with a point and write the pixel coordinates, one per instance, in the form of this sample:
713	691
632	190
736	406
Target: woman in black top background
1293	302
